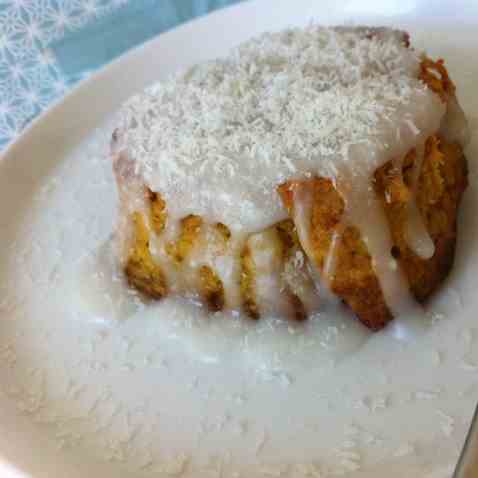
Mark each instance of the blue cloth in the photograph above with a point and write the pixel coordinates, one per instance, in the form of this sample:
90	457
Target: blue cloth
46	46
137	21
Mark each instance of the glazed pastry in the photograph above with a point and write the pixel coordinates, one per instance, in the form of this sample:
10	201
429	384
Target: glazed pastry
308	164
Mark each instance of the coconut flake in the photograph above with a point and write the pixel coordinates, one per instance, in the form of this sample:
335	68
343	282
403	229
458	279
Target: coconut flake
283	105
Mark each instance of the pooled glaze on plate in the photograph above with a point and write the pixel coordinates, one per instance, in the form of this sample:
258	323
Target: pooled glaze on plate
100	397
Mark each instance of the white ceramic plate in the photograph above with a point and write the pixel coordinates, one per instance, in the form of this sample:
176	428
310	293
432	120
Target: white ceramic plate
84	394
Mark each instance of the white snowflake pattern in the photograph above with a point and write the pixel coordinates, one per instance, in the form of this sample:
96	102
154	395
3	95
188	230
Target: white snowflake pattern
30	79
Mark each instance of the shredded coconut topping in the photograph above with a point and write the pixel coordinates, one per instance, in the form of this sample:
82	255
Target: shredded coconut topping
218	139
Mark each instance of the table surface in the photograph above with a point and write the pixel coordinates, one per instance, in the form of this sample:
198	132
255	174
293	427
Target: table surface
46	46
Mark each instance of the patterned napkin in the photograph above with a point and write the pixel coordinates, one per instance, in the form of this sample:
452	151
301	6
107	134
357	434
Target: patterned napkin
46	46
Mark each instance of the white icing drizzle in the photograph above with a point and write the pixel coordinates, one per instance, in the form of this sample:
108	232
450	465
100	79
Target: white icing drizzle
302	213
331	261
454	127
269	288
416	233
365	211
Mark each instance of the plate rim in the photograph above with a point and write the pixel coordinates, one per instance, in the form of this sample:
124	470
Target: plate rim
60	108
8	469
82	87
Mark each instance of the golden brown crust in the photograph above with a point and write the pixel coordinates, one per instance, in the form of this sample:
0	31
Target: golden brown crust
441	186
247	284
435	75
353	278
298	309
157	211
223	230
211	288
141	270
188	235
287	235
